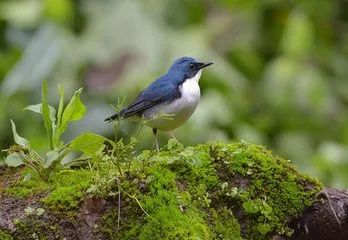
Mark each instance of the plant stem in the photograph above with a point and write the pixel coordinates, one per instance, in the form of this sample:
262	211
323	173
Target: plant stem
138	202
119	204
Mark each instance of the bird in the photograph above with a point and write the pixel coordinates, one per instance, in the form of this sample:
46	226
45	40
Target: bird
174	96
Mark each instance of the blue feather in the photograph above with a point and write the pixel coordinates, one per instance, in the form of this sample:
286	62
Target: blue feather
164	89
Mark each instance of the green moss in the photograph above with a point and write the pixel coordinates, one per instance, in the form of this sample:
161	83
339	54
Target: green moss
69	189
63	192
27	188
169	222
193	193
178	184
4	235
34	228
269	188
224	225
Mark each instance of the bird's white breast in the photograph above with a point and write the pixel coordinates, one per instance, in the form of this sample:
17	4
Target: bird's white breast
180	109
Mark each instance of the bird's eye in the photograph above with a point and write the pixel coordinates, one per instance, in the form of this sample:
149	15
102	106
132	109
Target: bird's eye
192	66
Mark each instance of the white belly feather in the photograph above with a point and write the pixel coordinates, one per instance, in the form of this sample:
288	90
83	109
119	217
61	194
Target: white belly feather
177	111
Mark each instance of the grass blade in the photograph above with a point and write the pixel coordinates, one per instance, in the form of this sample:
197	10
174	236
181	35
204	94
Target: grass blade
46	114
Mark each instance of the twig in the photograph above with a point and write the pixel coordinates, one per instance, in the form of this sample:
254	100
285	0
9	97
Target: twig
136	199
332	209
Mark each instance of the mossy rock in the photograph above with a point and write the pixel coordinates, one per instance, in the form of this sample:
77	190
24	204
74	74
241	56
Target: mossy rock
210	191
64	191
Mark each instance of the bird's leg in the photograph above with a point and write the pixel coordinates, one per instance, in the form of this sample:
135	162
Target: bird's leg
173	136
154	130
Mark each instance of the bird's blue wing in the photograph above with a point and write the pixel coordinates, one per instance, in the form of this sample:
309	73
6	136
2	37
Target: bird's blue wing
158	92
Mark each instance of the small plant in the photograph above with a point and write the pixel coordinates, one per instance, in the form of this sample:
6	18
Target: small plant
56	123
108	167
264	211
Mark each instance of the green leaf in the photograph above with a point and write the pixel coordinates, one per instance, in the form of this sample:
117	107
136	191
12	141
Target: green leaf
264	228
51	156
61	104
29	211
266	210
88	143
46	113
18	139
39	211
38	109
250	207
224	185
57	133
188	152
173	143
75	110
27	177
14	160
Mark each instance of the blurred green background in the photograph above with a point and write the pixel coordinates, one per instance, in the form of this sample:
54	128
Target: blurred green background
280	76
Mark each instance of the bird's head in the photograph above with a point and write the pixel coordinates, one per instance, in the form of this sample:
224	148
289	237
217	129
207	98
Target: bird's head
188	66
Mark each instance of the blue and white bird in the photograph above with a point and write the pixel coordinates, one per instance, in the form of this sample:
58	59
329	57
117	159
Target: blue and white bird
175	94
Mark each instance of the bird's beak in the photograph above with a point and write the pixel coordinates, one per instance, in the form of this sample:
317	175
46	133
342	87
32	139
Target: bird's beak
203	65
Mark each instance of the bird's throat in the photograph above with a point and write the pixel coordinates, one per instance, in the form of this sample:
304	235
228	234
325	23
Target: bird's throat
196	77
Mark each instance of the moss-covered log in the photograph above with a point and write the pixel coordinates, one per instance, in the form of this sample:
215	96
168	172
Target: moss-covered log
211	191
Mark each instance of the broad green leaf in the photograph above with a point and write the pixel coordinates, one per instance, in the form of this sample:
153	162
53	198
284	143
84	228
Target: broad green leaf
88	143
18	139
51	156
14	160
46	113
38	109
250	207
75	110
264	228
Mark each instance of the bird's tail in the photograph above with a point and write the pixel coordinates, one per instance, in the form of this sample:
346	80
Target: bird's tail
113	117
119	115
